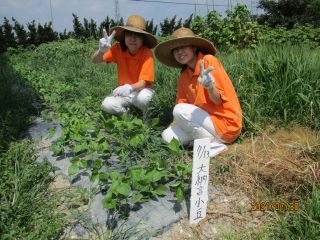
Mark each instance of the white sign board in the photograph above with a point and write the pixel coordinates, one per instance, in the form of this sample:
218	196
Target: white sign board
200	179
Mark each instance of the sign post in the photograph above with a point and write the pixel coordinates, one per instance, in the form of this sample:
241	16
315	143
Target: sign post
200	178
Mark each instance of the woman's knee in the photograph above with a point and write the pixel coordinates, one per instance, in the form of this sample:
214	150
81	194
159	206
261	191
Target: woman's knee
112	106
143	98
172	132
181	112
167	135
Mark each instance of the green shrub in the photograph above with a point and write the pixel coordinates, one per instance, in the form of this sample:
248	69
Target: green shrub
236	31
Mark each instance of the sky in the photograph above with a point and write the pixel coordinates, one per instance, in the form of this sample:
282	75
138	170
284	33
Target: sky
60	12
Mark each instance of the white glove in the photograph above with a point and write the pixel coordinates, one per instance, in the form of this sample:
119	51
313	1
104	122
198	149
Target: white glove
106	41
205	78
123	90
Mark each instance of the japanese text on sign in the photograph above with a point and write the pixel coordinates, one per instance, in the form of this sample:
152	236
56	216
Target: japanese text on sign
200	178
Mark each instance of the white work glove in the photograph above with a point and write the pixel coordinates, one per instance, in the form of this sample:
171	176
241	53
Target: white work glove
123	90
106	41
205	78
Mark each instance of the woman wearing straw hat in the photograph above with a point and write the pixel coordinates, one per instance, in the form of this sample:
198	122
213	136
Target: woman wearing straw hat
207	105
135	65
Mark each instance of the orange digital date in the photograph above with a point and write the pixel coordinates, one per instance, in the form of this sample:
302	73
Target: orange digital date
274	206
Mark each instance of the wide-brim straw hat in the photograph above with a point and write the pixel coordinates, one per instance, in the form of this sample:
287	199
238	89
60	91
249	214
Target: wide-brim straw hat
134	24
181	37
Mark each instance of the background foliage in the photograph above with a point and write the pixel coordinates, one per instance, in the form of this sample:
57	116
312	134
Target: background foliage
238	29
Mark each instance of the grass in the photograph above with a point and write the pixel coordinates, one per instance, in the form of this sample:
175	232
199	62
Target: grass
304	224
28	209
276	85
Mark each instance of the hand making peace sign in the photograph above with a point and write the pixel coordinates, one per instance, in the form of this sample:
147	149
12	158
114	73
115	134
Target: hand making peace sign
205	78
106	41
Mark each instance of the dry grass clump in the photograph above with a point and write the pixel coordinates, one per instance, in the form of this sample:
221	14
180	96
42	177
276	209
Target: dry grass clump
283	164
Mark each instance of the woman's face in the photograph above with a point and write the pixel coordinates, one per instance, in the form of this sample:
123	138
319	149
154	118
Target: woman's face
134	41
185	55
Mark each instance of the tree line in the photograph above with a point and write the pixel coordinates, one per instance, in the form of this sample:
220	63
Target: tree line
285	13
14	34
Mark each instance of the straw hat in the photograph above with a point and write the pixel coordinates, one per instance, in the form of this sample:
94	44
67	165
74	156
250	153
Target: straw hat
182	37
134	24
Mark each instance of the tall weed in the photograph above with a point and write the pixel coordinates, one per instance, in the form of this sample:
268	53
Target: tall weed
28	209
276	85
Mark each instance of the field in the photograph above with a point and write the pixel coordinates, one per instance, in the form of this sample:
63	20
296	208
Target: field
276	157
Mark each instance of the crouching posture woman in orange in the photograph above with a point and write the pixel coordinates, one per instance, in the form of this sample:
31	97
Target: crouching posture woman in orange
207	105
135	64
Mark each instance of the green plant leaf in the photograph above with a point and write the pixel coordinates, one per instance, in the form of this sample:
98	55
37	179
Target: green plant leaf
75	160
103	177
175	185
155	122
180	194
124	189
160	190
103	147
73	169
136	198
108	202
83	163
80	147
174	146
57	149
154	175
137	140
114	175
94	176
303	97
136	173
51	132
97	164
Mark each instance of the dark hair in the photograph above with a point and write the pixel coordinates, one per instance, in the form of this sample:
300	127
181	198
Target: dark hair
123	45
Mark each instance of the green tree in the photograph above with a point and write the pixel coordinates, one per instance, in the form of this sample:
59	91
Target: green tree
2	42
78	29
45	33
32	34
312	13
64	35
150	28
86	30
178	24
21	34
8	34
114	23
188	21
168	26
93	29
287	13
105	24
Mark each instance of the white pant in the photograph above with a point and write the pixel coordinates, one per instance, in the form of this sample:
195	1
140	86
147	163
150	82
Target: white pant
191	122
117	105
